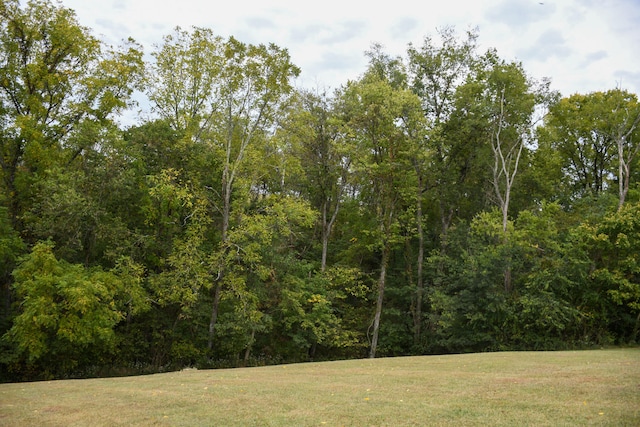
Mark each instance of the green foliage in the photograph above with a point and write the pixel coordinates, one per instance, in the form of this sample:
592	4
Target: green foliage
11	248
55	78
314	311
255	260
11	245
68	312
183	78
549	303
247	222
549	273
469	305
596	137
613	244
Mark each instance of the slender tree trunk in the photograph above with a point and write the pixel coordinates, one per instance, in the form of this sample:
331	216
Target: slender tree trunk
408	262
634	334
381	285
445	223
624	163
623	183
247	352
624	169
505	222
312	350
327	227
324	237
217	288
507	277
417	319
505	169
505	209
217	292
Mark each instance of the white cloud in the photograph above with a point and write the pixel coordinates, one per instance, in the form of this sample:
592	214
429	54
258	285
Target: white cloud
549	44
582	45
519	14
594	57
403	27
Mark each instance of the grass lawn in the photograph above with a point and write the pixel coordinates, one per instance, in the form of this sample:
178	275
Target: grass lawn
568	388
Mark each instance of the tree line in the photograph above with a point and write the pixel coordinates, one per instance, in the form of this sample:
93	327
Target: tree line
442	202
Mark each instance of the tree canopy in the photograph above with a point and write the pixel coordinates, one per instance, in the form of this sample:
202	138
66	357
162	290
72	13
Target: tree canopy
446	201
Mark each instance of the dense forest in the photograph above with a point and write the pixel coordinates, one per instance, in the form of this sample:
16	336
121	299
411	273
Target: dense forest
443	202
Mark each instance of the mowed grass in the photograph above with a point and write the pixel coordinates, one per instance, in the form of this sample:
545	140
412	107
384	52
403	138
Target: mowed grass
573	388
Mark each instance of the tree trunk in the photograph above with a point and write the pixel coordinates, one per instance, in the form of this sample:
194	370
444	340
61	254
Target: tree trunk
623	178
217	288
247	352
624	170
505	222
324	237
214	312
327	228
417	319
505	168
624	163
381	284
507	279
634	334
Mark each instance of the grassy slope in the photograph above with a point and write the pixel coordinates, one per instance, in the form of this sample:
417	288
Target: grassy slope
599	387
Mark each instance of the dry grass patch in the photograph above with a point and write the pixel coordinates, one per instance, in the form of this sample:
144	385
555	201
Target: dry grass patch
599	387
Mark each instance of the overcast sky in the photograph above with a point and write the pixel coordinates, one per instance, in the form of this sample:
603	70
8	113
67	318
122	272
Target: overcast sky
582	45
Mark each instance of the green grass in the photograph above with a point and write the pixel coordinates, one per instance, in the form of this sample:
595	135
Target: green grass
577	388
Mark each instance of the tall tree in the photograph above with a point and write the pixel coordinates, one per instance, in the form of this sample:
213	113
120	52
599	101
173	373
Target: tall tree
11	247
511	108
506	98
54	77
185	80
227	97
378	116
574	128
68	312
316	134
623	127
435	72
615	269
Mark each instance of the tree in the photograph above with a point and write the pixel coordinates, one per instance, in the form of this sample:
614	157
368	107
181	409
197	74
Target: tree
317	138
435	73
378	120
262	271
612	244
11	247
179	216
185	80
596	136
54	77
469	307
550	267
550	272
506	99
68	312
622	127
225	95
575	128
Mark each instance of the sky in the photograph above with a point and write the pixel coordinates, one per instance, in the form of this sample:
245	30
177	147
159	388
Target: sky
581	45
